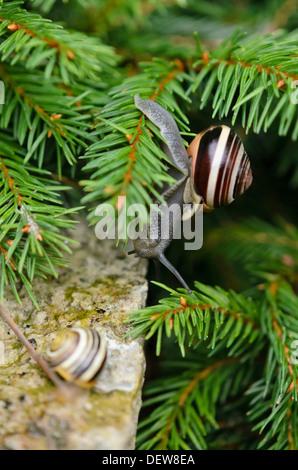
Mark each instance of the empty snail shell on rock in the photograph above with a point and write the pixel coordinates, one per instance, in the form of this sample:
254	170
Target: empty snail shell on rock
77	355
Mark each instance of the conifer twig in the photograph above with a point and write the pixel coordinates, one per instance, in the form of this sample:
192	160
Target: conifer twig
34	354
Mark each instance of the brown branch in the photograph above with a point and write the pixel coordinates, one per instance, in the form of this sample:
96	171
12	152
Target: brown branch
185	305
51	42
190	387
65	391
279	75
40	361
171	76
66	180
50	120
273	290
31	225
12	186
132	154
10	262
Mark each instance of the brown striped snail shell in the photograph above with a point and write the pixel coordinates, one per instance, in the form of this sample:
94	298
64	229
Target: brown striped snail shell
77	355
220	166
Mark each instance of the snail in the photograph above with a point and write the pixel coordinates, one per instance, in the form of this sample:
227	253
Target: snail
214	170
77	355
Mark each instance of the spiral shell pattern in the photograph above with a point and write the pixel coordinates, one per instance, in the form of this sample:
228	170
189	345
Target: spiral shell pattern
77	355
220	167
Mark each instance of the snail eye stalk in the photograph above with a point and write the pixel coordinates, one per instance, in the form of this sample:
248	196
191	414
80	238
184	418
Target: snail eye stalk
173	270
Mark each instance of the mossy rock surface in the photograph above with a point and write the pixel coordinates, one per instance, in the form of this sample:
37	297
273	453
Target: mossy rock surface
99	288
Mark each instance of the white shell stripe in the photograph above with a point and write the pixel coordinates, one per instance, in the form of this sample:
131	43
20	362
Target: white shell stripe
224	176
71	363
95	364
91	344
235	171
216	163
228	196
55	355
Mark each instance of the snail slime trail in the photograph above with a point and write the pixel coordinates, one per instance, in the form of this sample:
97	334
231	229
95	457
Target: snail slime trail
213	171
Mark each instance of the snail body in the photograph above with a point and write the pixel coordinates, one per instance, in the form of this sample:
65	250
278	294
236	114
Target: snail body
213	171
77	355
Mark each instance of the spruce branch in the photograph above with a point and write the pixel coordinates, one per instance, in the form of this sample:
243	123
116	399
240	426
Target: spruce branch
40	110
227	318
232	378
31	219
255	76
274	403
39	43
182	419
178	421
129	142
243	72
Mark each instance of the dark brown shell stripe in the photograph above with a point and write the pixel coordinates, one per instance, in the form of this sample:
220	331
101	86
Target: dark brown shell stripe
232	162
244	179
87	361
89	349
221	168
